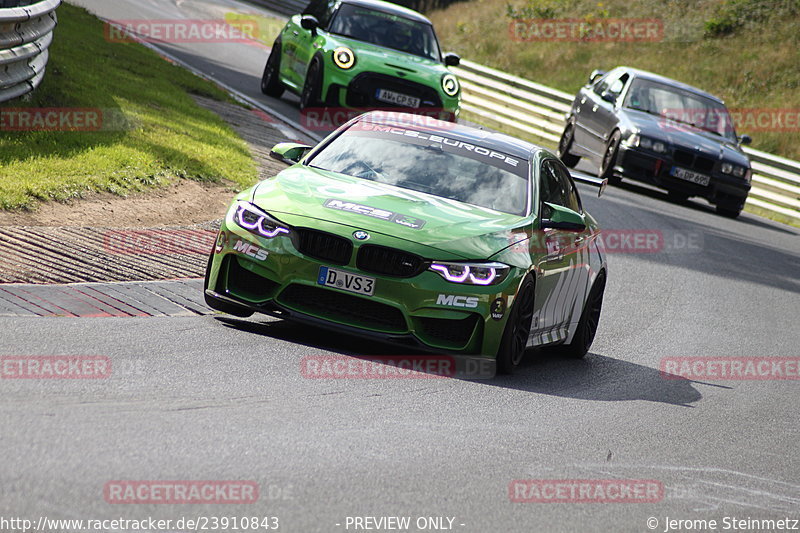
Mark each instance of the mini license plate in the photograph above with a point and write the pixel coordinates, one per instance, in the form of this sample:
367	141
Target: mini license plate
392	97
688	175
346	281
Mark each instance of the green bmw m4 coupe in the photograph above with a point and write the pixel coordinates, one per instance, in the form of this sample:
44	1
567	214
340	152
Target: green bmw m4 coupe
434	236
363	54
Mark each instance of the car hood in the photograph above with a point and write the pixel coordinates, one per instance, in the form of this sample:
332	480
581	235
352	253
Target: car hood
463	230
686	136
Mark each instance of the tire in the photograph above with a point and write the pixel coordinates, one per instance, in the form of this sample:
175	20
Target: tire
270	81
224	307
518	329
728	211
310	96
587	325
610	159
564	145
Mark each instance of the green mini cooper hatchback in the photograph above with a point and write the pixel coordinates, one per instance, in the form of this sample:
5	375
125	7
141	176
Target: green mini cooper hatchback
363	54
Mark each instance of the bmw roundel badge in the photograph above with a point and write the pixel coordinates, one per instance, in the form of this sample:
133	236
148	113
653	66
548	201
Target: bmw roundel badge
361	235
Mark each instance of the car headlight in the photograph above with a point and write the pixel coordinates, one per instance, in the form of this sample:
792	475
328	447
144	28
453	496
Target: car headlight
647	143
344	58
471	273
733	170
257	221
450	85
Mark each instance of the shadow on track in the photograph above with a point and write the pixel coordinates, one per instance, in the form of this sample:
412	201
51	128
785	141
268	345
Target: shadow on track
596	378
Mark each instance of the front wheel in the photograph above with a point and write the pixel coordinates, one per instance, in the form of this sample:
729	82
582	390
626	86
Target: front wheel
564	145
270	81
312	86
518	329
610	159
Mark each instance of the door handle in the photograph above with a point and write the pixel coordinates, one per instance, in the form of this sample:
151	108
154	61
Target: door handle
295	33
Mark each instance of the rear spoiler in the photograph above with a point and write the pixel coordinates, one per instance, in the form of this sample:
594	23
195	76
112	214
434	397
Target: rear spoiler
601	183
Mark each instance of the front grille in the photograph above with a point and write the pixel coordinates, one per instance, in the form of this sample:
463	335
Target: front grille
341	307
454	332
362	91
324	246
388	261
693	161
245	283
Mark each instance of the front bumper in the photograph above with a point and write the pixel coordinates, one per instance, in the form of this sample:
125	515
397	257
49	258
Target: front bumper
641	165
359	90
272	276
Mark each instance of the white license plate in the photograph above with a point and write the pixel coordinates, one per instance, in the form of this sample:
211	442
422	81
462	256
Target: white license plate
688	175
346	281
392	97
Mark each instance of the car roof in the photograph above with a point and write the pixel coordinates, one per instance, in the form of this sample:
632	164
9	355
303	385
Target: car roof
388	7
498	142
669	81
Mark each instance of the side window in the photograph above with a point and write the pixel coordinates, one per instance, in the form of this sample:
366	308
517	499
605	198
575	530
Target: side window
618	85
550	187
614	82
560	189
323	10
603	83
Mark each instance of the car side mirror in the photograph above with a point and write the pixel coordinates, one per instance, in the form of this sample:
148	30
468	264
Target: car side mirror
562	218
745	139
609	97
289	153
452	60
310	23
595	75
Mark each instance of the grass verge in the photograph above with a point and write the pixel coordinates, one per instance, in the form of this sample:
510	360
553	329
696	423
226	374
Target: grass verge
152	131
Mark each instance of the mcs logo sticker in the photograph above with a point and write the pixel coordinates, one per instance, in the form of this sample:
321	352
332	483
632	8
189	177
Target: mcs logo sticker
470	302
251	250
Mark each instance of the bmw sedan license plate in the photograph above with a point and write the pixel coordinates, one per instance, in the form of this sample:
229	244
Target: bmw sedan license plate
392	97
688	175
346	281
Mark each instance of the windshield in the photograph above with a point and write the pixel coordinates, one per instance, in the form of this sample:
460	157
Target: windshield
387	30
680	106
430	163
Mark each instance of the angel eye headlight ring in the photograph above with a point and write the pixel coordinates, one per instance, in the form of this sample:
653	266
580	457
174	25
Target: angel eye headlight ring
344	58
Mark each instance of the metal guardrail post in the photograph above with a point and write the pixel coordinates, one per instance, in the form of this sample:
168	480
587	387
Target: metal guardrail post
26	32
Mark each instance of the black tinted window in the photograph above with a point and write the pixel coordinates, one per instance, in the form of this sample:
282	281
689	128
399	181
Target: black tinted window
556	187
430	163
387	30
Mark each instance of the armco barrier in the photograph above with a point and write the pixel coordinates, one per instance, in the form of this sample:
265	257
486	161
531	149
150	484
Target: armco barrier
26	31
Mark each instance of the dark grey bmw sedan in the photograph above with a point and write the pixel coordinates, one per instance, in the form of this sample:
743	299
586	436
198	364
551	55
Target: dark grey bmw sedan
642	126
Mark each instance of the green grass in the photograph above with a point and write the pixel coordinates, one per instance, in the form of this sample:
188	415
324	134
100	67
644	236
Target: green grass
166	137
744	51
